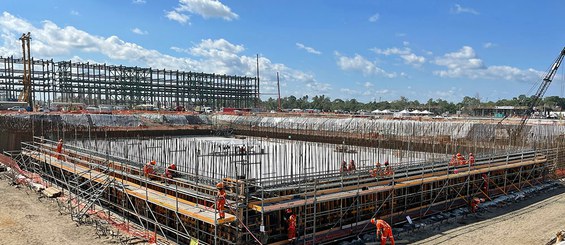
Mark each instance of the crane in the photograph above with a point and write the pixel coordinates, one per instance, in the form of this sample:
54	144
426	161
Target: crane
25	95
539	94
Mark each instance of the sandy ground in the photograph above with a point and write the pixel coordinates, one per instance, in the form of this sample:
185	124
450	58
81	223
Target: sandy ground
531	221
25	220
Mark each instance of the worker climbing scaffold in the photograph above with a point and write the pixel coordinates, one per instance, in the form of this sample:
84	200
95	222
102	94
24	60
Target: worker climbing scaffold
383	230
221	200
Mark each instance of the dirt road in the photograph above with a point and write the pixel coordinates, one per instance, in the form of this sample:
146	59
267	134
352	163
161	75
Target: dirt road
25	220
532	221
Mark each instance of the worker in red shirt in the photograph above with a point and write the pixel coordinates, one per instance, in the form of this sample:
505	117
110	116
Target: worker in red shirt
383	230
60	149
170	171
471	159
475	204
291	221
351	167
149	169
221	200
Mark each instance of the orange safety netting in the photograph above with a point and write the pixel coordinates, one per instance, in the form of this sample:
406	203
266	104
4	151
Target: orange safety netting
29	176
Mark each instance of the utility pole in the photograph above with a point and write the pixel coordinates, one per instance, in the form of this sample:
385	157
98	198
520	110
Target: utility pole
279	92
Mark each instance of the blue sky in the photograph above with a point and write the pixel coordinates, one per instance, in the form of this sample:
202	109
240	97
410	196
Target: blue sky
367	50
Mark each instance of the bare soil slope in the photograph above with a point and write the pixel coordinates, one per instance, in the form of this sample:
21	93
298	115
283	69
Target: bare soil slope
26	220
532	221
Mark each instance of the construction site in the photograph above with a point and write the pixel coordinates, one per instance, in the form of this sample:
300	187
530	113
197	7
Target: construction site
239	177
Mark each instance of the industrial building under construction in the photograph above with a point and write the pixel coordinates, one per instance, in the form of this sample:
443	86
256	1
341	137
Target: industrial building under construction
269	164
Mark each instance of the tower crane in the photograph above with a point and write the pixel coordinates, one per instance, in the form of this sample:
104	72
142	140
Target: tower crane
537	97
25	95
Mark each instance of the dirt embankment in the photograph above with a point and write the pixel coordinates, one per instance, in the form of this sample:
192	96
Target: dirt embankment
535	220
26	220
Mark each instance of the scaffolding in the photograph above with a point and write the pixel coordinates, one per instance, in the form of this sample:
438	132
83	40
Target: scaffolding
266	176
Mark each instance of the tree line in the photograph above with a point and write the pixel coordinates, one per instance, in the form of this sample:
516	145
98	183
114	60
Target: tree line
438	106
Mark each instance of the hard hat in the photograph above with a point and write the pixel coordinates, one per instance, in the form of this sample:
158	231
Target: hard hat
153	162
173	164
220	185
373	221
470	154
288	211
458	154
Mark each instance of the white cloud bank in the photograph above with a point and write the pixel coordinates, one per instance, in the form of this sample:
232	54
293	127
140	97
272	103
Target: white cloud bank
211	56
205	8
465	63
404	53
360	63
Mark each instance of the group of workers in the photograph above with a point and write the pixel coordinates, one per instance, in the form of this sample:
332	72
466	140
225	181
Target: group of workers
345	168
380	171
459	160
150	172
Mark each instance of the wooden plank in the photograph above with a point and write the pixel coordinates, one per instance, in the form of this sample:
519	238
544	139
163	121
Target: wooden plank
158	198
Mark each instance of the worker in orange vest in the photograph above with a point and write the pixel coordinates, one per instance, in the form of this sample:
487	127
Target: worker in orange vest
383	230
171	171
471	159
60	149
351	167
149	169
461	159
291	221
221	200
377	170
453	161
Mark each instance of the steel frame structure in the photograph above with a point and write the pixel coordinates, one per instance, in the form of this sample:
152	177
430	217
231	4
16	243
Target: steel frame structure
96	84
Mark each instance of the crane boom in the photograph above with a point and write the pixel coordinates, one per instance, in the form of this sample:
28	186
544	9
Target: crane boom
541	91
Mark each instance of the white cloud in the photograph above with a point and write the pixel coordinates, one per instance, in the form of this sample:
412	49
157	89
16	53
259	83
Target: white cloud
138	1
465	63
458	9
350	92
404	53
368	84
374	17
489	45
75	13
139	31
359	63
308	49
405	43
205	8
209	56
318	88
178	17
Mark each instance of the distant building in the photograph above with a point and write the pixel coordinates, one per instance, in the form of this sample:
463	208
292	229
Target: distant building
499	111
